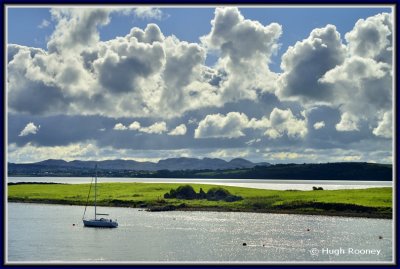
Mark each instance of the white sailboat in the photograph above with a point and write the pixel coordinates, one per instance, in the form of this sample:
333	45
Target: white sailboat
98	222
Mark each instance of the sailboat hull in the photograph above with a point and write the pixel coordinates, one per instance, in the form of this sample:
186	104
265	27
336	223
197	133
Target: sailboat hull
103	223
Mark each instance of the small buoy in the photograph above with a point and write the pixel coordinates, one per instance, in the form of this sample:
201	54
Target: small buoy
380	237
263	245
244	244
308	230
73	224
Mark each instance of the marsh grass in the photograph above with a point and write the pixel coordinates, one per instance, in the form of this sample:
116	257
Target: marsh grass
373	202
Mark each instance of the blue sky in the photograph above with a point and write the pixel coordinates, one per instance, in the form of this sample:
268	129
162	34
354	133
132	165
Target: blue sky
190	24
227	89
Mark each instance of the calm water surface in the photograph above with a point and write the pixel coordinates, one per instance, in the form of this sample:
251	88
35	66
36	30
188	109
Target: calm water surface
45	233
272	184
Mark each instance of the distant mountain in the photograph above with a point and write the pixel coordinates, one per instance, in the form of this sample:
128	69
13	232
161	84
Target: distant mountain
205	168
172	164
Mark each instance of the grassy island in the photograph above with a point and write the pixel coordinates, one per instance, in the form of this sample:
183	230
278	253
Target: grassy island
372	202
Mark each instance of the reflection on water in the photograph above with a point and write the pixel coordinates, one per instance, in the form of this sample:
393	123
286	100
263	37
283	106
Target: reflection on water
46	233
272	184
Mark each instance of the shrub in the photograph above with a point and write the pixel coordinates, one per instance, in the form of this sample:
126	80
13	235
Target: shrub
218	194
317	188
214	194
182	192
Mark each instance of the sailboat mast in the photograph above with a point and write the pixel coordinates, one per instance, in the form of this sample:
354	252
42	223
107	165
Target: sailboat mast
95	193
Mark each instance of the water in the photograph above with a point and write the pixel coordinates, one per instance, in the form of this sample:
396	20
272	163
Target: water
44	233
272	184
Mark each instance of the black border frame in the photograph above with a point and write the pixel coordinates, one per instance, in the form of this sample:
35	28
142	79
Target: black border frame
162	3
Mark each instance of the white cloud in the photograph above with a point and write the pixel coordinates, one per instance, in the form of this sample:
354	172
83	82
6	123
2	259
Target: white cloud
30	128
233	125
307	61
253	141
179	130
44	24
356	78
372	38
120	127
245	47
301	155
33	153
351	158
287	155
76	28
134	76
134	126
229	154
319	125
348	122
218	126
148	13
156	128
283	121
384	128
146	74
362	86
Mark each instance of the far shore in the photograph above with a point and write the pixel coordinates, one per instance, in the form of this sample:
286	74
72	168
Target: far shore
364	203
221	209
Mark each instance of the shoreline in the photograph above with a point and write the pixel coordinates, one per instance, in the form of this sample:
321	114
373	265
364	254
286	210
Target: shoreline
219	209
365	203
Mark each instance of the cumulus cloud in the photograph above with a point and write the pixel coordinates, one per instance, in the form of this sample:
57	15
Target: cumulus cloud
122	63
148	13
362	86
30	128
348	122
307	61
184	63
120	127
319	125
356	78
218	126
149	35
283	121
241	39
372	38
135	75
363	83
233	124
156	128
145	74
384	128
33	153
179	130
245	47
76	28
134	126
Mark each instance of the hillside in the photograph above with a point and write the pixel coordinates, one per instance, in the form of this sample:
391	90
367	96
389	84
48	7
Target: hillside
172	164
206	168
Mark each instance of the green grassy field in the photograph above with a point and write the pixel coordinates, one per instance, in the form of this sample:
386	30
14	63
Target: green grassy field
373	202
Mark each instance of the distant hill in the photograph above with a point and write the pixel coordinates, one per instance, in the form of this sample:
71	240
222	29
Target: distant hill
206	168
172	164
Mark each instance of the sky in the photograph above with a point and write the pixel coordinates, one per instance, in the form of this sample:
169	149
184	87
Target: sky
274	84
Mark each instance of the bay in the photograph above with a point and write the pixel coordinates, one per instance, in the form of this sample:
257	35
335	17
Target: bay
47	234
